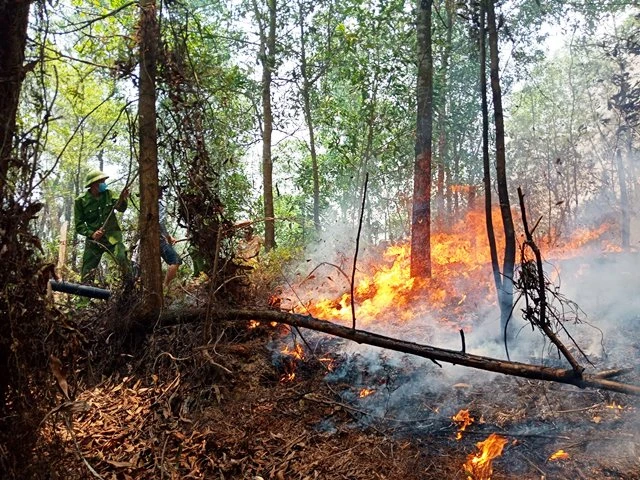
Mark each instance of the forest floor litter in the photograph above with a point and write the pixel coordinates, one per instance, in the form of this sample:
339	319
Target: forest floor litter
237	407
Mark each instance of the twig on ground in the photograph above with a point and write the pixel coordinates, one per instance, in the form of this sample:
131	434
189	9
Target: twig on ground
532	463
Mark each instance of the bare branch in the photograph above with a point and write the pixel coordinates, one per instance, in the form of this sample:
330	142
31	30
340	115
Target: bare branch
81	25
355	255
517	369
540	302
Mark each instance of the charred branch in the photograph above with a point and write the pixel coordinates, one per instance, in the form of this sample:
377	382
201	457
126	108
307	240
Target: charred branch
355	255
534	372
541	320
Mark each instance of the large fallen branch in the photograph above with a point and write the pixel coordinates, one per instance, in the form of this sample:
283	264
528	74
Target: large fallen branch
517	369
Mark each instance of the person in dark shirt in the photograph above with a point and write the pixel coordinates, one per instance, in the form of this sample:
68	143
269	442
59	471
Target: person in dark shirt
167	252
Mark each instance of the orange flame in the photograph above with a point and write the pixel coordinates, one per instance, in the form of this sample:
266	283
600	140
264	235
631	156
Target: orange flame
479	466
288	377
365	392
253	324
384	285
559	455
329	363
464	420
297	352
461	277
290	359
581	238
462	188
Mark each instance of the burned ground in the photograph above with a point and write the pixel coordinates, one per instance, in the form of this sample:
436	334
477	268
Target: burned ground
236	407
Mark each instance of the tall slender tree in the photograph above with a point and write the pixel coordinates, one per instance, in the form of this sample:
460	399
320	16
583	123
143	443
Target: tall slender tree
14	17
421	215
149	226
267	57
486	162
443	99
505	294
625	102
305	92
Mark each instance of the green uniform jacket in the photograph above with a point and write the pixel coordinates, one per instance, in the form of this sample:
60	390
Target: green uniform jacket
90	214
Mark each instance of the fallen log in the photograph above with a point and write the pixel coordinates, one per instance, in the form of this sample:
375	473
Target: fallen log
78	289
535	372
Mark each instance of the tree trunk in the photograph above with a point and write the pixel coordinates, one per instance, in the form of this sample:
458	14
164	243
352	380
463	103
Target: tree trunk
268	59
306	93
442	119
455	178
625	221
421	215
14	17
367	153
440	176
149	227
495	265
505	294
536	372
624	136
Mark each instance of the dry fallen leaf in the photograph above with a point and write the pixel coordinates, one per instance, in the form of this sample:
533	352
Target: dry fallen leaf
56	368
120	464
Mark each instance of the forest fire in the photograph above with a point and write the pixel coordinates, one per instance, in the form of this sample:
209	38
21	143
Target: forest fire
329	363
290	359
461	278
463	419
480	465
559	455
365	392
579	239
386	287
297	352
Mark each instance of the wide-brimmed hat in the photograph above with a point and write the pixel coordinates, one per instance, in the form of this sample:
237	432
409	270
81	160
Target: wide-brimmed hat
94	176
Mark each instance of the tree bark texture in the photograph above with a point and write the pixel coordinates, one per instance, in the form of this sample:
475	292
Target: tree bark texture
536	372
444	175
488	204
14	18
268	60
149	227
505	294
625	219
421	214
306	94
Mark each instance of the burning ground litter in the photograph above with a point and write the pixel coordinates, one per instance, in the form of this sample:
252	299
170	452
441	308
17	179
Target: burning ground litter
259	401
179	415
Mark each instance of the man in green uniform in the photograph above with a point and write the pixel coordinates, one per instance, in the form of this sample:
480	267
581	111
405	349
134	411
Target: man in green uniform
95	218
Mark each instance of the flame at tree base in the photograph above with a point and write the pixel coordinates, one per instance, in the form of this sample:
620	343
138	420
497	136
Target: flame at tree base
479	466
384	292
385	289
